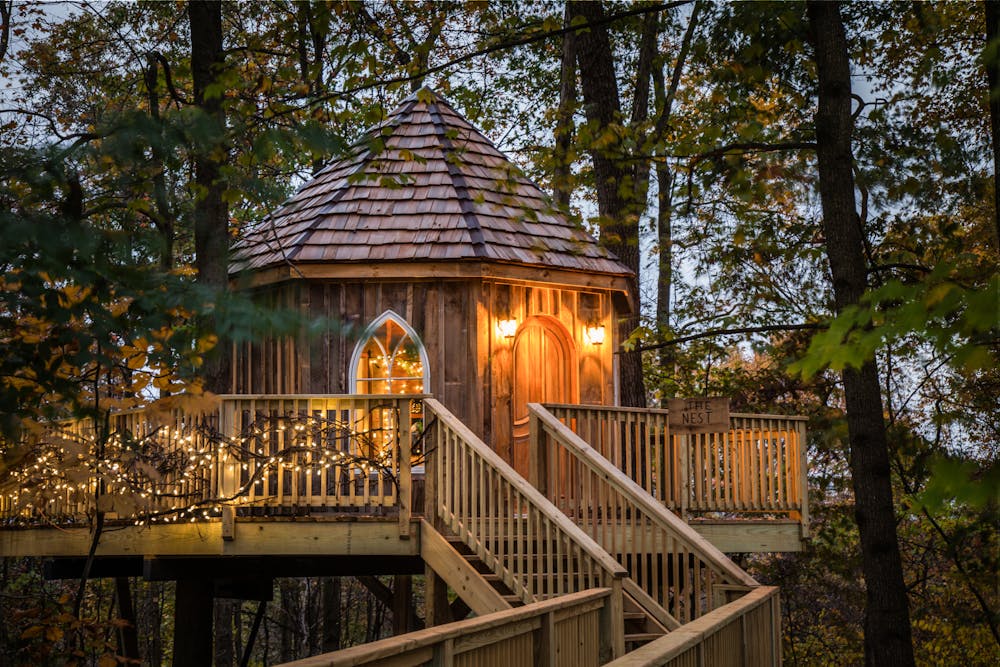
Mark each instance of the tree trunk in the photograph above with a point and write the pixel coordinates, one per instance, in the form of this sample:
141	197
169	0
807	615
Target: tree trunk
664	97
665	238
562	158
331	614
887	622
163	217
993	78
613	180
211	214
126	612
225	654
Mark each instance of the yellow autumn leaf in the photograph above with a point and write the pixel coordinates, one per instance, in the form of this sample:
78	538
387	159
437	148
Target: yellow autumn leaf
136	362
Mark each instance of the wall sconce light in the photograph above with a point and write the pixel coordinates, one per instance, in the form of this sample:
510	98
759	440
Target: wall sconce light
507	328
594	334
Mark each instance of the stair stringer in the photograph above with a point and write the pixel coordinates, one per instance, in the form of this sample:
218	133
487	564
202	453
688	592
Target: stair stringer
456	571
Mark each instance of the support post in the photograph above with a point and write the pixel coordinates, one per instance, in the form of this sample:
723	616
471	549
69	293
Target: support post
684	453
437	611
612	624
193	611
444	654
405	452
545	642
800	431
538	464
402	599
432	457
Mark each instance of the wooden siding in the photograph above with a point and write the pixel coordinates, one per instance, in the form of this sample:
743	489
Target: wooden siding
471	364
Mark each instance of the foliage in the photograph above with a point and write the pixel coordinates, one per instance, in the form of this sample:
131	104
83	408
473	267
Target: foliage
99	310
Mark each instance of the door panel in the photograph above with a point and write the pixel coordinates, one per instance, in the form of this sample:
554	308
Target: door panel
543	373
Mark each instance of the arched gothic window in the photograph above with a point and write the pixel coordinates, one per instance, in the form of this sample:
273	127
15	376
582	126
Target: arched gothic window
389	359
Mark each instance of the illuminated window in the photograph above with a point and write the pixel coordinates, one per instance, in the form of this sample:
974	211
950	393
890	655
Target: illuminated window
390	359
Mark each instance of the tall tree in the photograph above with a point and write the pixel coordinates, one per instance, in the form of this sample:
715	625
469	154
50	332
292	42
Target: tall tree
887	622
615	183
211	213
993	79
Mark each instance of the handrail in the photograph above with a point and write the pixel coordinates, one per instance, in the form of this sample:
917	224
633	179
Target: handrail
507	522
746	631
573	626
664	411
628	522
757	466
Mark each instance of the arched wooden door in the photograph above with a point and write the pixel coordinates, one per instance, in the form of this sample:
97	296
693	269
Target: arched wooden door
544	372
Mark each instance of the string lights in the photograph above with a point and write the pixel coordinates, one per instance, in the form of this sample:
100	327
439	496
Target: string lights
189	469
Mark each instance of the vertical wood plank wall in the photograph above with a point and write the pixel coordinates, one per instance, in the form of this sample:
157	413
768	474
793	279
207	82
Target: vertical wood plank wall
470	362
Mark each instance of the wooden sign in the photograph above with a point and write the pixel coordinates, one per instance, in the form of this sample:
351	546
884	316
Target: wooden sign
698	415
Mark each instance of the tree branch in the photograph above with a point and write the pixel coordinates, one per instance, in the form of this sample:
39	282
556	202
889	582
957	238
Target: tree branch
712	333
6	8
500	46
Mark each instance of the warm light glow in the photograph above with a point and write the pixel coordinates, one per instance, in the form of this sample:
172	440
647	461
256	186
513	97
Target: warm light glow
507	328
594	334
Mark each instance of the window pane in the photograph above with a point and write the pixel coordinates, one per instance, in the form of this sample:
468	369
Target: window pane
390	362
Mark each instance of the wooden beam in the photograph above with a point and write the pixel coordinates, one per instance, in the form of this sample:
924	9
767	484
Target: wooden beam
415	271
441	557
751	536
172	567
253	537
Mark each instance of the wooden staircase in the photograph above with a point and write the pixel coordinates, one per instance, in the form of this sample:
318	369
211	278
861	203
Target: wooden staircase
640	627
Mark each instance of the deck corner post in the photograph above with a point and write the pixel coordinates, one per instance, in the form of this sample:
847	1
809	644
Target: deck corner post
545	641
612	624
444	654
537	452
684	453
776	657
431	462
800	430
404	452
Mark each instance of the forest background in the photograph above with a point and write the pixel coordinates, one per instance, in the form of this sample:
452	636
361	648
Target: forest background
138	140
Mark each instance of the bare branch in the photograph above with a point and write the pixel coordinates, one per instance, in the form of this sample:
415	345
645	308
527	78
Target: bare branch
713	333
6	8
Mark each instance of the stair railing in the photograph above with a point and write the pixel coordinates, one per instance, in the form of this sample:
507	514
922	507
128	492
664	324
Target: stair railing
535	549
671	563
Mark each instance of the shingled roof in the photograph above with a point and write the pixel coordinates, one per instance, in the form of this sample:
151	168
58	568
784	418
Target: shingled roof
422	186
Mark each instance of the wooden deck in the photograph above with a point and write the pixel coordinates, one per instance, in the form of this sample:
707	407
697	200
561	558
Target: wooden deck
613	502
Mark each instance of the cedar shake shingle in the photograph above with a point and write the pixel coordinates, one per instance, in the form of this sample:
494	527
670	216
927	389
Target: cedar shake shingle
423	184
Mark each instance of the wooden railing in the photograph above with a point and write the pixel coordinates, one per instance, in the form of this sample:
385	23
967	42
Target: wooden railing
757	467
275	453
535	549
743	633
570	631
677	568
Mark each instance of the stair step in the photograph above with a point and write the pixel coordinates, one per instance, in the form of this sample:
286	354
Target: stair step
643	637
634	616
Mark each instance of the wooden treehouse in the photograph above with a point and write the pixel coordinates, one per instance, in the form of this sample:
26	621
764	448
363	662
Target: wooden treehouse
456	419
